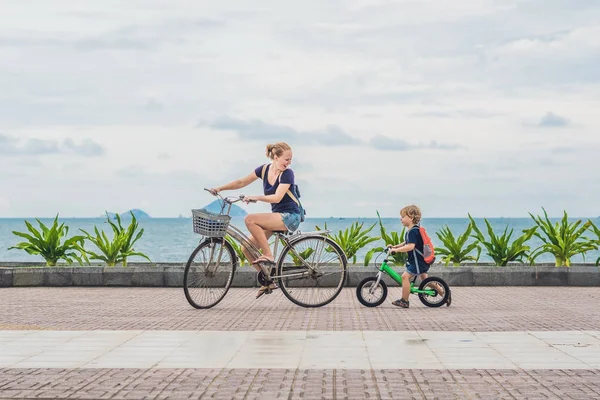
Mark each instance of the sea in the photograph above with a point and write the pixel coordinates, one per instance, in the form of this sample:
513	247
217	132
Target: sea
173	239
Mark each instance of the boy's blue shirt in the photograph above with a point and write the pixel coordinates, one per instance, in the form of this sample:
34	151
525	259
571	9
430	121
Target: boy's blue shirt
412	235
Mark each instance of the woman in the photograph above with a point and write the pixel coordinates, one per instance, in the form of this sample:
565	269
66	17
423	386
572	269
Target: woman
277	179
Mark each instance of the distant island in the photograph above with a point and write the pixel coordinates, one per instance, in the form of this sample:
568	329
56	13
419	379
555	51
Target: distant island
139	214
236	211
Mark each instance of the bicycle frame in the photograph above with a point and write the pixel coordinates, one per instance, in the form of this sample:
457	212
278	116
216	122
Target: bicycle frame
244	240
385	268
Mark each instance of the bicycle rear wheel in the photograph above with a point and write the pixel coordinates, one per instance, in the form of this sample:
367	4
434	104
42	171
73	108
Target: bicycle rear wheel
442	292
209	273
312	271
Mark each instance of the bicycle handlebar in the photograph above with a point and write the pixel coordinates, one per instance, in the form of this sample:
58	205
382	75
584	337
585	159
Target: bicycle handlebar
230	199
387	250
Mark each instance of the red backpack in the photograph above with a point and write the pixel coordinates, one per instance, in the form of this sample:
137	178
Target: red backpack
428	249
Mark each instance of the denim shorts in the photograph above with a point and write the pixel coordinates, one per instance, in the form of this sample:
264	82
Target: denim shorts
291	221
413	269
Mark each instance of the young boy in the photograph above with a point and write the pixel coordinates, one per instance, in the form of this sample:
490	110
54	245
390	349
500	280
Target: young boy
410	216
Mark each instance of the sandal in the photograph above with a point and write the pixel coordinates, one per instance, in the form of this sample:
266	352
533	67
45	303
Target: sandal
263	260
266	290
401	303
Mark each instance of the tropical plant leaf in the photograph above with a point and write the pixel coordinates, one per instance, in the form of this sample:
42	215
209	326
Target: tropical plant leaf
393	238
454	250
238	250
46	242
353	238
499	247
563	239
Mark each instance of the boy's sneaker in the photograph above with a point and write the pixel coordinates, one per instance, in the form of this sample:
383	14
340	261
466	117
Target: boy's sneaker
401	303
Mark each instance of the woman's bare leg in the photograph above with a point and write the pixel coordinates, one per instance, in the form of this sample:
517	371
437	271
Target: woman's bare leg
259	224
247	252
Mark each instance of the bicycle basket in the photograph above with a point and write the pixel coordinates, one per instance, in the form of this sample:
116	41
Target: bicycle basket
209	224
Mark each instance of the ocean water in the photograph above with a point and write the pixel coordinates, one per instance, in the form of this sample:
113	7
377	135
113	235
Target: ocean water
173	239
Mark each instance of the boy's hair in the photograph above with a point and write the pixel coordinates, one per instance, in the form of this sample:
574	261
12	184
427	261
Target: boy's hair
413	212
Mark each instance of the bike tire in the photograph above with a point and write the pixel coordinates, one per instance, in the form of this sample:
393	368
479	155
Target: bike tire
425	298
193	292
363	284
298	293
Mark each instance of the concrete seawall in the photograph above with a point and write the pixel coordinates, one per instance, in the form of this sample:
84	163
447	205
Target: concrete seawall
171	275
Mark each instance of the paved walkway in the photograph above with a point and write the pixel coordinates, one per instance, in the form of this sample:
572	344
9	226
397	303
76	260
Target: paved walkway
474	309
138	343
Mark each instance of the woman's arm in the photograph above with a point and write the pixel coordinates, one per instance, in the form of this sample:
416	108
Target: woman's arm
237	184
271	198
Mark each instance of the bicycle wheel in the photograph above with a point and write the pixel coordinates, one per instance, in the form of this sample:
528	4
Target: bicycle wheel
370	295
435	283
209	273
312	271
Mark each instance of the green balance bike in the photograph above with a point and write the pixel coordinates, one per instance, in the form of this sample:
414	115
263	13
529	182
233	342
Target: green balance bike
372	291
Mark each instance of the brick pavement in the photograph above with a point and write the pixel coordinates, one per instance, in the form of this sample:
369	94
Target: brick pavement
298	384
474	309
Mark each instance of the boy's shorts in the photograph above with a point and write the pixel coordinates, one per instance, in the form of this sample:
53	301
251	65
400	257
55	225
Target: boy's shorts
413	269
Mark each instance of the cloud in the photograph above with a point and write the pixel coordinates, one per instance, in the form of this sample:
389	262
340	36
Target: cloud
146	37
259	130
473	114
87	147
153	106
331	136
551	120
255	129
11	146
563	150
382	142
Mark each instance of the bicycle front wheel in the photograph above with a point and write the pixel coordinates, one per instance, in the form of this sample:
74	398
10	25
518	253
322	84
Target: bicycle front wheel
312	271
209	273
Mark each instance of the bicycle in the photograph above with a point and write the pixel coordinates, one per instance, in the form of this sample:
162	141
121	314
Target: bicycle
431	288
310	271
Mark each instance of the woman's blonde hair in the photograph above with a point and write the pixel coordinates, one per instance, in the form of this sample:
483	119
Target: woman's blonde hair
277	149
413	212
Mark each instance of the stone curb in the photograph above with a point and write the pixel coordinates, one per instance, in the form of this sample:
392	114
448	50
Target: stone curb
171	275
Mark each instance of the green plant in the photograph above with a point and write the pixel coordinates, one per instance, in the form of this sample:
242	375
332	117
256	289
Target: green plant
392	238
499	247
303	254
353	239
47	243
128	236
454	251
119	248
238	250
597	231
563	240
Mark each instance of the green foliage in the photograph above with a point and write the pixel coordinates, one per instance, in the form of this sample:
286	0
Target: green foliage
353	239
128	236
120	247
596	230
454	250
238	250
47	243
563	240
393	238
303	255
499	248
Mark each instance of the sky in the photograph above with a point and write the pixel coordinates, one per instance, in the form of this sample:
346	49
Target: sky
483	107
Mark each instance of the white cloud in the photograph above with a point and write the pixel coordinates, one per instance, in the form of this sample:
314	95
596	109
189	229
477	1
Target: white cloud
458	89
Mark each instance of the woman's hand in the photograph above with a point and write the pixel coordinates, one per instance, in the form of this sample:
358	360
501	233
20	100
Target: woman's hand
250	199
214	191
